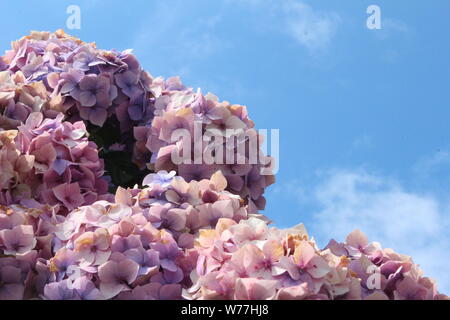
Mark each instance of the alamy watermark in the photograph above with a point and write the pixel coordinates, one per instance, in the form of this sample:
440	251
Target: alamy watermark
373	282
227	146
374	20
74	19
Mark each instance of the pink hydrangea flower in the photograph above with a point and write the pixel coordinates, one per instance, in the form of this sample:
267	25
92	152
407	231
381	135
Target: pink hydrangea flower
192	232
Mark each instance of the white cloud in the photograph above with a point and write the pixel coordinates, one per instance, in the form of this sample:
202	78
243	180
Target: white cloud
395	25
391	27
432	163
410	223
180	34
311	28
177	35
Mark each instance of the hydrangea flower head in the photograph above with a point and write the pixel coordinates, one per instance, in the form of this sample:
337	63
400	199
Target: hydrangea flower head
82	128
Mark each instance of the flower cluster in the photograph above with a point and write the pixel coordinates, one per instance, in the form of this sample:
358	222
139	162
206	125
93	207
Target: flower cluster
214	136
250	261
66	162
18	98
186	207
94	203
59	73
384	273
52	161
26	243
96	252
108	251
55	73
134	247
15	169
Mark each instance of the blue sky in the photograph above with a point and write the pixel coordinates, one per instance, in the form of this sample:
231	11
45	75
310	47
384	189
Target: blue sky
363	114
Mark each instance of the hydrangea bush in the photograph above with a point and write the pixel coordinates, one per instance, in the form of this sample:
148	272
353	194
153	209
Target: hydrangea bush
93	205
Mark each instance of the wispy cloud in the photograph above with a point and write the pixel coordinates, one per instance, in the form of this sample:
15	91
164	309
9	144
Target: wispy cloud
391	27
309	27
432	163
410	223
177	35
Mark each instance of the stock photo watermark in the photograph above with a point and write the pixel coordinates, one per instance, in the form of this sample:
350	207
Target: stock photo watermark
374	20
73	21
373	282
227	146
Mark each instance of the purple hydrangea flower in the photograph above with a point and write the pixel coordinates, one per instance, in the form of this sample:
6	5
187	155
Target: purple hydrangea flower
162	178
93	90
